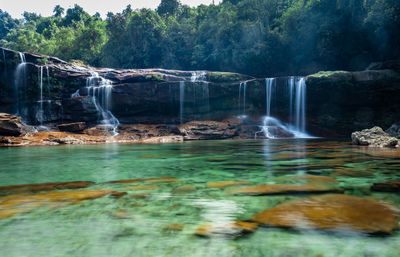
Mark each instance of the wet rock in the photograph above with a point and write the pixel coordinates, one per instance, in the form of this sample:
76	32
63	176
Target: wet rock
135	180
16	189
163	139
394	130
162	180
142	188
72	127
223	184
22	203
374	137
203	130
174	227
184	189
140	196
308	179
274	189
231	229
117	195
121	215
332	212
392	186
351	173
11	125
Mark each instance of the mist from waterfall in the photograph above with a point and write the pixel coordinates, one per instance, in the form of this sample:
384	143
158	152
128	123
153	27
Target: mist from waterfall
101	91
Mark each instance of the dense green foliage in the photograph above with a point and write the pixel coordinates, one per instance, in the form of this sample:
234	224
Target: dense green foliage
258	37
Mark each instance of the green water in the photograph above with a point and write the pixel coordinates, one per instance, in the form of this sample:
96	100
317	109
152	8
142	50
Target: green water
90	229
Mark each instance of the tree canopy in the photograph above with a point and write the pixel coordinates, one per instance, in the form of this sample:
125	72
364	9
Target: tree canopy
257	37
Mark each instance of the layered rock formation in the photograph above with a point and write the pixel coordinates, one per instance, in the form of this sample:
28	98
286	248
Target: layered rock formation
47	90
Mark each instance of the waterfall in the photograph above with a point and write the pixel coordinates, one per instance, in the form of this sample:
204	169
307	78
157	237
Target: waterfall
300	105
40	78
181	100
198	76
4	58
20	79
101	91
269	82
295	127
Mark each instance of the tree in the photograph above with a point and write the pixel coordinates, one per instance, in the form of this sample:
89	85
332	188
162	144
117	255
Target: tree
58	11
168	7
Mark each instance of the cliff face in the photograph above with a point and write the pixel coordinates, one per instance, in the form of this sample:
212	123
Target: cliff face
45	89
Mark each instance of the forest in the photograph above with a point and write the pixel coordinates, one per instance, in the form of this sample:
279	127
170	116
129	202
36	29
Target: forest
255	37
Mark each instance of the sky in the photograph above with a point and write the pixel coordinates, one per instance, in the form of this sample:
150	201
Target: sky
45	7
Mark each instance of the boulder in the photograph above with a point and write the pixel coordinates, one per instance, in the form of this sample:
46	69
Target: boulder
274	189
333	212
394	130
392	186
11	125
72	127
374	137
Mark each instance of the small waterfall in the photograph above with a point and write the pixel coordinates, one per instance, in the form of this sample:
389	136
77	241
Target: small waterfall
181	100
19	79
296	127
242	102
101	91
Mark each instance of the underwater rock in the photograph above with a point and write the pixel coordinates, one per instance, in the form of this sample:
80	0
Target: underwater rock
340	172
16	189
72	127
174	227
11	125
121	214
274	189
391	186
307	179
374	137
135	180
333	212
140	196
184	189
234	229
223	184
21	203
117	194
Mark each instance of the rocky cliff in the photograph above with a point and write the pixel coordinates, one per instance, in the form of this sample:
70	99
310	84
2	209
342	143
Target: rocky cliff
47	90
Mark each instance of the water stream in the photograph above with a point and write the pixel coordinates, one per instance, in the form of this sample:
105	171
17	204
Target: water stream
19	80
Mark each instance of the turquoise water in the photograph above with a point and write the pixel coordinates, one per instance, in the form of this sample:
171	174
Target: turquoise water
91	228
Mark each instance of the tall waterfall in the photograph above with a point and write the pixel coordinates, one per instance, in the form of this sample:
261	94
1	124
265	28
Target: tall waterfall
40	76
295	126
181	100
19	79
101	91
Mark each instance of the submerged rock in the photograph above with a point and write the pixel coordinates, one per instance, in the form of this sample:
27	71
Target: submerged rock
340	172
16	189
274	189
223	184
333	212
375	137
23	203
391	186
231	229
308	179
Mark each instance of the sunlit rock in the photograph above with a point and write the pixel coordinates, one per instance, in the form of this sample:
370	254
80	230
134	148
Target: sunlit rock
375	137
273	189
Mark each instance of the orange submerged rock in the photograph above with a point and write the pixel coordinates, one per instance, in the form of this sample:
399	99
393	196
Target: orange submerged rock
308	179
22	203
333	212
282	189
222	184
44	187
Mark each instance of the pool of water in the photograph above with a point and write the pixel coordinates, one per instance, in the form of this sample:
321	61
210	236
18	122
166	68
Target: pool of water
91	228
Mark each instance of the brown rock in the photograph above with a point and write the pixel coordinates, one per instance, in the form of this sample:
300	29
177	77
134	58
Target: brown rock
197	130
351	173
174	227
11	125
308	179
140	196
21	203
162	180
231	229
332	212
142	188
223	184
184	189
282	189
121	215
392	186
72	127
16	189
117	195
128	181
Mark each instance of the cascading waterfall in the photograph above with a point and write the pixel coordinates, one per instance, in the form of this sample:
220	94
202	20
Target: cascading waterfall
296	127
101	91
20	79
181	100
40	76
